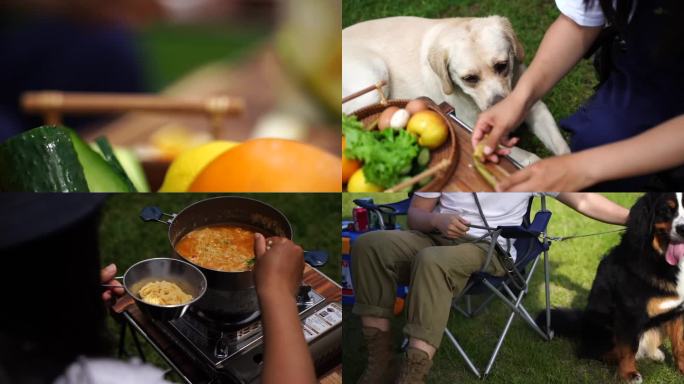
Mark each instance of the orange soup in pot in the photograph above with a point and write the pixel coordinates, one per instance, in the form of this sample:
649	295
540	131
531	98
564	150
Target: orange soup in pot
227	248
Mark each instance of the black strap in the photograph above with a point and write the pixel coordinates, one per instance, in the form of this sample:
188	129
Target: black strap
504	255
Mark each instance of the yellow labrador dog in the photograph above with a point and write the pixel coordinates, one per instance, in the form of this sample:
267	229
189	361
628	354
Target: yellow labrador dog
471	63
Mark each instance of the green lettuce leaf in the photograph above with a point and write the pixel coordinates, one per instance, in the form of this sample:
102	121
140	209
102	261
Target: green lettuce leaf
387	155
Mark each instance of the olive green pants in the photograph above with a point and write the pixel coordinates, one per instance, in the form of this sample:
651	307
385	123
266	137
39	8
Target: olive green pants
435	268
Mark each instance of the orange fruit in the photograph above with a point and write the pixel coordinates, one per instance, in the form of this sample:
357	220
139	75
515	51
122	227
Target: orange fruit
271	165
349	166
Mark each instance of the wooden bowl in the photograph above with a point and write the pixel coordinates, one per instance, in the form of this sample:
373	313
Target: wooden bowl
449	150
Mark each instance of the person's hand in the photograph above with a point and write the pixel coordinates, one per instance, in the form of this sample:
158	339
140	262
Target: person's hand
279	265
497	122
107	275
560	173
450	225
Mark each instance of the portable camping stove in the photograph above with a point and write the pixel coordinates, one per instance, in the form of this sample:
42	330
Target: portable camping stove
202	350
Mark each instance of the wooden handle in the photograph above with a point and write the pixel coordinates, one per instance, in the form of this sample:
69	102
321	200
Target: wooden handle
93	103
123	303
362	92
52	104
415	179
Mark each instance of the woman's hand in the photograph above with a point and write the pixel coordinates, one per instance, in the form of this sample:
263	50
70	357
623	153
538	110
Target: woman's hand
496	123
107	275
560	173
450	225
279	265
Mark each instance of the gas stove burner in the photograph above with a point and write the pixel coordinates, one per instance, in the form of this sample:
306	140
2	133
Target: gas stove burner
220	342
225	325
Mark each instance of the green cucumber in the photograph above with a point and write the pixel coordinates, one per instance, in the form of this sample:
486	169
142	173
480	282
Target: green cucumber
423	157
55	159
41	160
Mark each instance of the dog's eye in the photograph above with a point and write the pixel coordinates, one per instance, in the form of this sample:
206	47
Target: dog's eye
500	66
472	79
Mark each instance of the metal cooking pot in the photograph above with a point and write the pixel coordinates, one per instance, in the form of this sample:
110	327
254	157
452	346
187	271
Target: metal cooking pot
231	296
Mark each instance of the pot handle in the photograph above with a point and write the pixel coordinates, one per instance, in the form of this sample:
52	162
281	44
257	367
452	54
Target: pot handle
316	258
152	213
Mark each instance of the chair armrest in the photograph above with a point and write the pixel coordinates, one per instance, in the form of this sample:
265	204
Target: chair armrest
536	227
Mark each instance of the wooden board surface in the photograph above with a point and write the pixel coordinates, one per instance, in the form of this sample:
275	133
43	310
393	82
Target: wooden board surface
192	369
466	178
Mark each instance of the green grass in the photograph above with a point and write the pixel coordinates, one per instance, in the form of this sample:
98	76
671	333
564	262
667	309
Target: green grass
530	20
172	51
125	239
525	358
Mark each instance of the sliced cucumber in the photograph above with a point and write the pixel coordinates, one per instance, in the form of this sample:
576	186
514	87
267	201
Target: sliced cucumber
107	153
99	174
131	165
129	161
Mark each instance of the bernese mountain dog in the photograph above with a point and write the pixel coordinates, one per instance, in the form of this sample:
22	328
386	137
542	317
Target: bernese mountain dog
637	294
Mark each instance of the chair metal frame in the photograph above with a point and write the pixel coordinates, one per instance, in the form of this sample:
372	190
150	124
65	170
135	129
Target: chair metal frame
499	287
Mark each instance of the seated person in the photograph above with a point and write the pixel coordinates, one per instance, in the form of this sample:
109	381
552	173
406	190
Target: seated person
436	258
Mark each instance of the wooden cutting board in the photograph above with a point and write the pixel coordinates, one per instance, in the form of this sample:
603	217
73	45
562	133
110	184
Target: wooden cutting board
466	178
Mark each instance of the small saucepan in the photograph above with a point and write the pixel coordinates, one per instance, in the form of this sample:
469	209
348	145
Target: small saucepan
185	275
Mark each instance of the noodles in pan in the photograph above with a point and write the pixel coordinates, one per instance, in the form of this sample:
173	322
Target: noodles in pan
163	293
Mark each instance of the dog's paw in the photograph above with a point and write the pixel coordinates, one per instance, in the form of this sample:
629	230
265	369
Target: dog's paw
634	378
680	367
657	355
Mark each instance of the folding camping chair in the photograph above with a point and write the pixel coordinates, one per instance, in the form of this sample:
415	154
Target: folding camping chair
530	241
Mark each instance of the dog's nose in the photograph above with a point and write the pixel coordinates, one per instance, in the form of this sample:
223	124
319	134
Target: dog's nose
495	99
680	229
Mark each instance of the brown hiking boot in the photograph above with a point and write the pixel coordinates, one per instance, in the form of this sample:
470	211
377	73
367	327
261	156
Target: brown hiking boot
415	368
380	355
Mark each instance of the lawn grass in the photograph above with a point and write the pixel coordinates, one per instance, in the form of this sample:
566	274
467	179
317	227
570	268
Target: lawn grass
525	357
171	51
530	20
125	239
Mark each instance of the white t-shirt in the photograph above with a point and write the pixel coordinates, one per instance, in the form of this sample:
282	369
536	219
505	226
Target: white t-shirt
498	208
591	16
87	370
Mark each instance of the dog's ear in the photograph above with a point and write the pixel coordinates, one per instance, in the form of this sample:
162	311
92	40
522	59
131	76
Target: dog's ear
439	62
518	50
640	222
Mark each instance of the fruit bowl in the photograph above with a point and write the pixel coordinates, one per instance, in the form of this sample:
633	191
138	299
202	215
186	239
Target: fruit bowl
448	150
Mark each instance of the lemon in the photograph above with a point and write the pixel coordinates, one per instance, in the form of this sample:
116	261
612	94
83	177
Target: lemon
357	183
185	168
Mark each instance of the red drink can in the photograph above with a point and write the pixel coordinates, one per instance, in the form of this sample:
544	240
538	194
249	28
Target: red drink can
360	216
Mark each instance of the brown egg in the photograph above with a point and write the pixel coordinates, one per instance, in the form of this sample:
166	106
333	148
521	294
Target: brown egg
417	105
386	117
